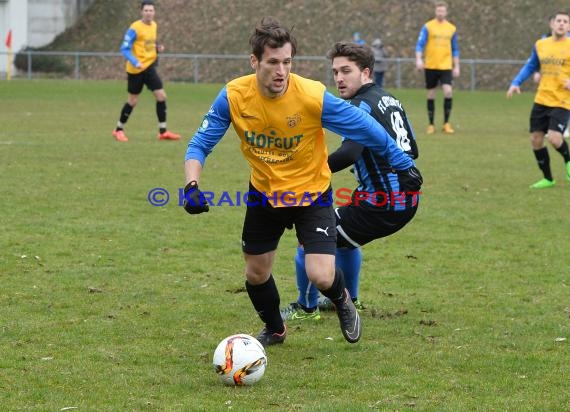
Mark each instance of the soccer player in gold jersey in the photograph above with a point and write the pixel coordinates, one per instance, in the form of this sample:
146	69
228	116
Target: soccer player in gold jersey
279	117
140	48
437	43
551	108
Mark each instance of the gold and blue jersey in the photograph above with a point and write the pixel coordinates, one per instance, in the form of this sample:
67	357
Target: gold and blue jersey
283	139
438	43
552	58
139	46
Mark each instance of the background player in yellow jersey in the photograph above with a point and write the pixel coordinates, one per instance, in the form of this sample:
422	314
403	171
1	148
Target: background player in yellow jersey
279	117
141	51
437	43
549	115
536	75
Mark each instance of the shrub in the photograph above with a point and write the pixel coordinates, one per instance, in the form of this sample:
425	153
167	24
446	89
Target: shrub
41	63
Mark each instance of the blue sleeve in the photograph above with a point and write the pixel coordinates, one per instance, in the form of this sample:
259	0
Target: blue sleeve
213	128
454	46
352	123
127	46
364	106
422	39
532	65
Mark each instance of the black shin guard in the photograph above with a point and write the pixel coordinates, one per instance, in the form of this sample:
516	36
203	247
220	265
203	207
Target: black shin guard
430	110
563	150
336	292
447	102
265	300
125	113
543	161
161	111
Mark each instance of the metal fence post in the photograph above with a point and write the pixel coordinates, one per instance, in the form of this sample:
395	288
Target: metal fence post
29	65
398	73
196	69
473	76
76	66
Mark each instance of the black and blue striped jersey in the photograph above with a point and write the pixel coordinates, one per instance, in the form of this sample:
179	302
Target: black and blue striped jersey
389	112
374	171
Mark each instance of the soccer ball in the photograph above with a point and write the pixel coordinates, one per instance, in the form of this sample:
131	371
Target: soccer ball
240	360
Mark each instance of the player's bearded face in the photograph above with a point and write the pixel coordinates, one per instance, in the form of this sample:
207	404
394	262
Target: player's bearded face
273	70
440	12
347	76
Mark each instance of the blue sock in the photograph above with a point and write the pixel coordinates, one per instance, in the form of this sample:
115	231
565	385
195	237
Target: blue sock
350	261
308	293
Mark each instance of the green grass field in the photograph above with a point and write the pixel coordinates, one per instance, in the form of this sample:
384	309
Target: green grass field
108	303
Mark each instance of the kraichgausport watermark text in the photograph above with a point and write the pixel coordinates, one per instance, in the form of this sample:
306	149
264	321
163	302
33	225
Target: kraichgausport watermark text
159	196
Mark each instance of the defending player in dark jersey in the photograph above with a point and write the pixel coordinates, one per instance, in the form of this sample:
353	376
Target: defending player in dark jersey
388	111
385	199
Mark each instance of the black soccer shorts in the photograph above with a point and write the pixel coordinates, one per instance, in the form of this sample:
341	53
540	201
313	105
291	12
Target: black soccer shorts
149	77
359	225
545	118
264	225
434	77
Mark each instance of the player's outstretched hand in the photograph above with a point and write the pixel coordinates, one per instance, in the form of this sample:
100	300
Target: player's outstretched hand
513	89
194	202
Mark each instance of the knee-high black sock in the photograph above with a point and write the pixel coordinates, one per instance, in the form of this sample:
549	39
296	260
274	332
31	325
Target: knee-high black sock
161	111
447	109
336	292
265	300
430	110
543	161
125	113
563	150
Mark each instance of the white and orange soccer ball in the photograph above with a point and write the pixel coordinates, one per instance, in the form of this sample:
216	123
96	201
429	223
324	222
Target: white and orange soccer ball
240	360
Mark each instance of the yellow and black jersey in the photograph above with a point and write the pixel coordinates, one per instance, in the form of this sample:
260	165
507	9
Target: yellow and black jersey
552	58
438	43
139	46
283	138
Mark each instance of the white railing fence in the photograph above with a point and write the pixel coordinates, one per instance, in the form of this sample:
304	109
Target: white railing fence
477	74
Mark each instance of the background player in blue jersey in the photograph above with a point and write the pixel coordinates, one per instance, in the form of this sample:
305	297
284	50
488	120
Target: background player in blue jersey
274	103
357	39
140	48
386	198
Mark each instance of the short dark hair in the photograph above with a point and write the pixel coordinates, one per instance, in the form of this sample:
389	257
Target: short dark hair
269	32
147	3
563	13
361	54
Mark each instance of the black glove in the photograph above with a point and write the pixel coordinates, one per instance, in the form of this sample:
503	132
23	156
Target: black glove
194	202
